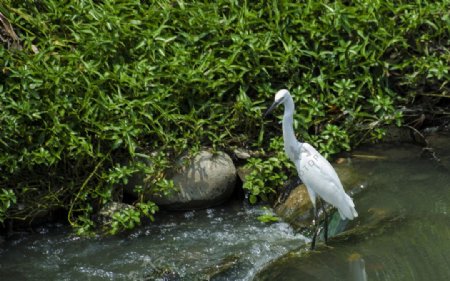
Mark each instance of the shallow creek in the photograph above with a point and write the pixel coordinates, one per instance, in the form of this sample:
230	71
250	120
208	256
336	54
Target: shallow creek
402	233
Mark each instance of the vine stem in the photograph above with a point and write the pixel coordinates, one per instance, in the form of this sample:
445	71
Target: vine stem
69	215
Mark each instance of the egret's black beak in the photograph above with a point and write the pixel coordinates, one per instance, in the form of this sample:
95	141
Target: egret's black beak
275	104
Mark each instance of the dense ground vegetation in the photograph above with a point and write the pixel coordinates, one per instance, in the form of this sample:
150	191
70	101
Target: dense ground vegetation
97	83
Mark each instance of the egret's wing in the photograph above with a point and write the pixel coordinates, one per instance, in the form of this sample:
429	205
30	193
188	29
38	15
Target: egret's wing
318	175
313	166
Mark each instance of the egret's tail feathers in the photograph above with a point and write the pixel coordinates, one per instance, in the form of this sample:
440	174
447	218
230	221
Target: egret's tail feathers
347	209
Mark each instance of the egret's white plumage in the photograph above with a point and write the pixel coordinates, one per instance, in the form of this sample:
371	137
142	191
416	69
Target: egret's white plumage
313	169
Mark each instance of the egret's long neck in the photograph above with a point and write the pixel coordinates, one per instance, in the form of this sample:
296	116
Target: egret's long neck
288	123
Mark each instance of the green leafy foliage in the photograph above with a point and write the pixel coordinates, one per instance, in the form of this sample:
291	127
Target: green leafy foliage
129	218
7	199
267	174
125	219
98	83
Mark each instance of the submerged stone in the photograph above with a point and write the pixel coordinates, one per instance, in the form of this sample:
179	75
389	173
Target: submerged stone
219	269
164	274
440	148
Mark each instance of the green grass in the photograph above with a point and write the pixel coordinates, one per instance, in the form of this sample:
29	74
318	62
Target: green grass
113	79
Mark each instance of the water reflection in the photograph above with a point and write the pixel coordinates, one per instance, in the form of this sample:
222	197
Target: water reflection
357	268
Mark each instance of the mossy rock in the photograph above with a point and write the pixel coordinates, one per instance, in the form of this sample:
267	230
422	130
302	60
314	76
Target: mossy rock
297	208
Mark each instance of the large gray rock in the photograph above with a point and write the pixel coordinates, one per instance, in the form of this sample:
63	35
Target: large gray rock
207	180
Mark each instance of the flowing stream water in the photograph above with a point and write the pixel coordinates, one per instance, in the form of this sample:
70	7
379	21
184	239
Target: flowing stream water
402	233
194	244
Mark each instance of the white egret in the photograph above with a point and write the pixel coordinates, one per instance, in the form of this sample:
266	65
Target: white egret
314	170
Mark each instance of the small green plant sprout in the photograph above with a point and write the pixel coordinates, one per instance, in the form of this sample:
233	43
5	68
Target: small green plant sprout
268	216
